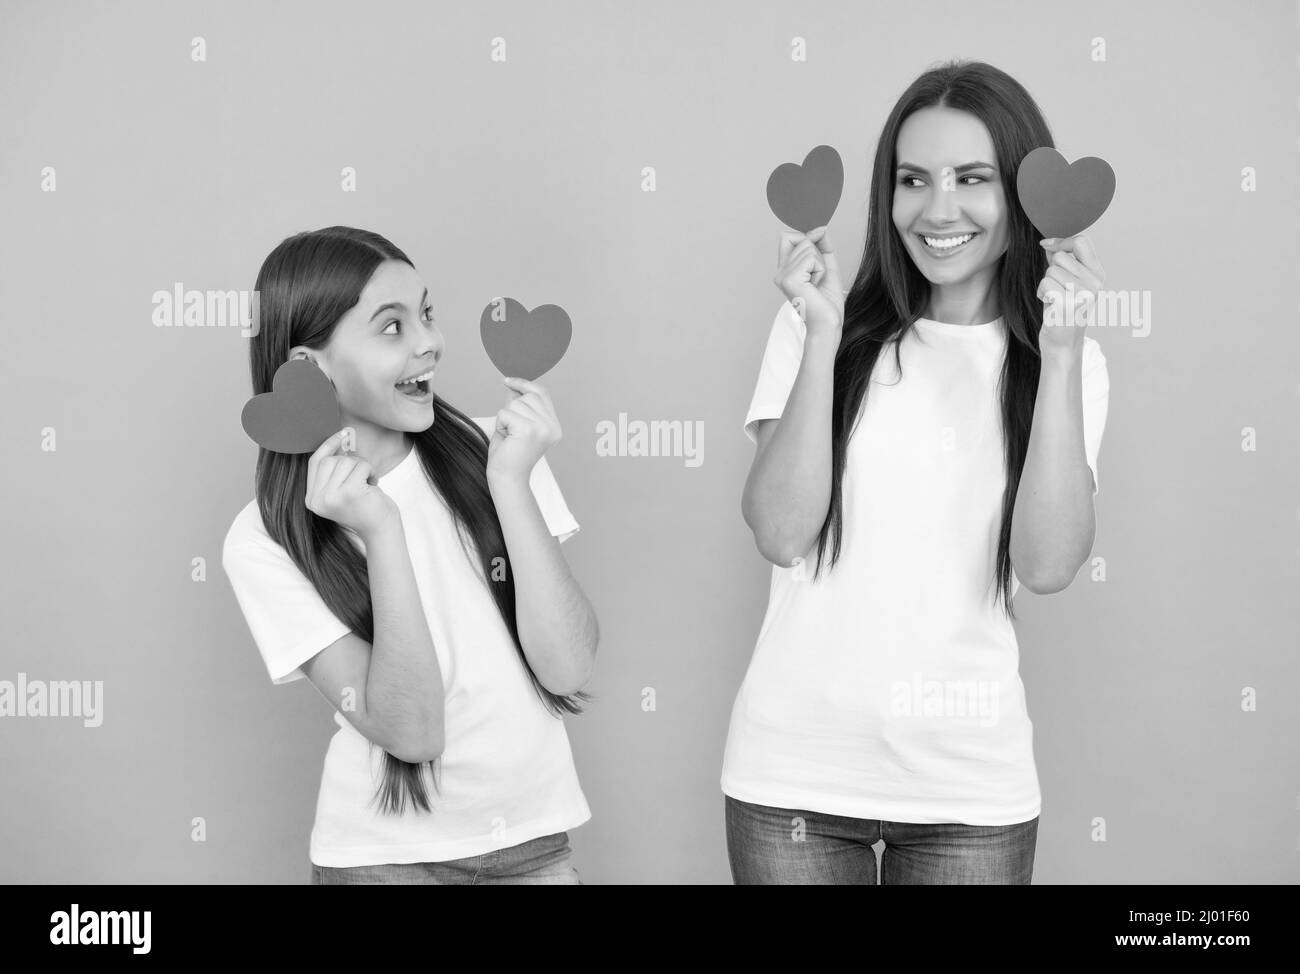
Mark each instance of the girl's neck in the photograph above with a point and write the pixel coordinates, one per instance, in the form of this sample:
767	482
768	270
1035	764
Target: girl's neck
383	448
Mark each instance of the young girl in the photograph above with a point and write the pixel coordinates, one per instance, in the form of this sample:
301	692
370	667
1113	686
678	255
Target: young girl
883	700
418	585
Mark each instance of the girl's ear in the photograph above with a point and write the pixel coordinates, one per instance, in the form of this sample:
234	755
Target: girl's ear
306	354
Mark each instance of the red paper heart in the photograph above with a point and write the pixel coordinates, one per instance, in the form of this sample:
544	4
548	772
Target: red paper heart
1062	199
522	343
299	413
804	197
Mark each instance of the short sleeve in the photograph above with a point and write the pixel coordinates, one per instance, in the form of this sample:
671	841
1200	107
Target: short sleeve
1096	400
780	366
555	512
288	619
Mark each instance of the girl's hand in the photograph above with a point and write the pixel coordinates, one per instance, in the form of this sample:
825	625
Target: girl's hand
525	429
808	274
338	488
1069	294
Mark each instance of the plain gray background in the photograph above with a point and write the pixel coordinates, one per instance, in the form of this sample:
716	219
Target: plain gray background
524	178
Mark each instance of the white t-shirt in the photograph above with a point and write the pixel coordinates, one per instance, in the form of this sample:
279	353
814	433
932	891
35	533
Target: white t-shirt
890	687
507	772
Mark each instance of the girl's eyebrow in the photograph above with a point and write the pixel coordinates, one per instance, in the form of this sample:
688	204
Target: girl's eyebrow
912	167
396	304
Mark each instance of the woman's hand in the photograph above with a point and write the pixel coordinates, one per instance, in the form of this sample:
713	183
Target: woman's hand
338	488
1069	294
525	429
808	274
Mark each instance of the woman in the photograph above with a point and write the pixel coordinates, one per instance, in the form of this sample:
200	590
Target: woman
418	584
936	445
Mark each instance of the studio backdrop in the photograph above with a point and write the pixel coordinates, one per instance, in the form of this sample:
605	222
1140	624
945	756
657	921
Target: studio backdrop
612	158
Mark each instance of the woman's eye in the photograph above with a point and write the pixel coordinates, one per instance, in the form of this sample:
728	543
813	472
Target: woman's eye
904	181
395	321
429	312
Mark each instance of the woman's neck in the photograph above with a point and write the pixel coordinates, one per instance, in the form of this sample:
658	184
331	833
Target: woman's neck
971	302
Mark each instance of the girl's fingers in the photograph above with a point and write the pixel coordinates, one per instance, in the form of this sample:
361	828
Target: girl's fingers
324	450
537	397
528	416
340	470
359	476
531	390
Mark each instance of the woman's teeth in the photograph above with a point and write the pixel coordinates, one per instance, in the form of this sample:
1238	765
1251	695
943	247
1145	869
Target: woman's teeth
946	245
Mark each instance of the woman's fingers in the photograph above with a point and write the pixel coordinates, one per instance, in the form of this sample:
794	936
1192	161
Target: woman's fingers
829	259
789	240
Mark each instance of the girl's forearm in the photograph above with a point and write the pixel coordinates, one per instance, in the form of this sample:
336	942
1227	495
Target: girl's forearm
404	682
1054	523
788	490
557	625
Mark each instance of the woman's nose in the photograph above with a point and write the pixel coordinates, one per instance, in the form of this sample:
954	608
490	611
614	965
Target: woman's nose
942	207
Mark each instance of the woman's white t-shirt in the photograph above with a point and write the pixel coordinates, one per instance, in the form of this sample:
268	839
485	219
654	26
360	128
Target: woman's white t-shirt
506	774
890	687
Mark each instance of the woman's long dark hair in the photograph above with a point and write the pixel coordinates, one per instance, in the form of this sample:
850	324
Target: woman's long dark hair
305	286
890	293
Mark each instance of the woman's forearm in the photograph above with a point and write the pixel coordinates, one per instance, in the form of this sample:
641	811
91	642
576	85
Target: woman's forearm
404	687
788	490
1054	522
557	625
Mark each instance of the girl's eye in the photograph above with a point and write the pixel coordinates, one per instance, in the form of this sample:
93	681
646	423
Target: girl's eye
398	321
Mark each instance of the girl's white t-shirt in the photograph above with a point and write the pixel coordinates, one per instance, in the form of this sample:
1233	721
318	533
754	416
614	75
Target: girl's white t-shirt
506	774
890	688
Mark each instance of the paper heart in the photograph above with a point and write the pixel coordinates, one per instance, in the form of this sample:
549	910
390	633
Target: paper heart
804	196
522	343
299	413
1062	199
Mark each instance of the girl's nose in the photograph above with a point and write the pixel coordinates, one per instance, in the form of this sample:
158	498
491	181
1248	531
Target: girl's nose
430	343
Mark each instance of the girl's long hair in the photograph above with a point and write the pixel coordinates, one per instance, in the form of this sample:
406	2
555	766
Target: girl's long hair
305	285
889	293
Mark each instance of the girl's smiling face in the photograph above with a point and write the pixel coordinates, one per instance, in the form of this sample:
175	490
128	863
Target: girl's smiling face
387	337
948	189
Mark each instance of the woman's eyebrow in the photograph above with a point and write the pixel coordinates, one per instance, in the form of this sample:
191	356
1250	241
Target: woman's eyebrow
912	167
397	305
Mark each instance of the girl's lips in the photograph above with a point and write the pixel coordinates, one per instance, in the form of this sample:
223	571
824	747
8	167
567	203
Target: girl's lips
422	391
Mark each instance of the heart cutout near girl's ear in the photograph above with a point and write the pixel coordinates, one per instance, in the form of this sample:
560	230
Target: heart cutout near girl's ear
299	413
1063	198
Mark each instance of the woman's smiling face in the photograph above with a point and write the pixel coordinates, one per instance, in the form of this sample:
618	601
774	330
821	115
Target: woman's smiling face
388	336
947	188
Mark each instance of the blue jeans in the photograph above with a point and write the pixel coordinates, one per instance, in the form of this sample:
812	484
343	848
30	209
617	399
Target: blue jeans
789	846
543	860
